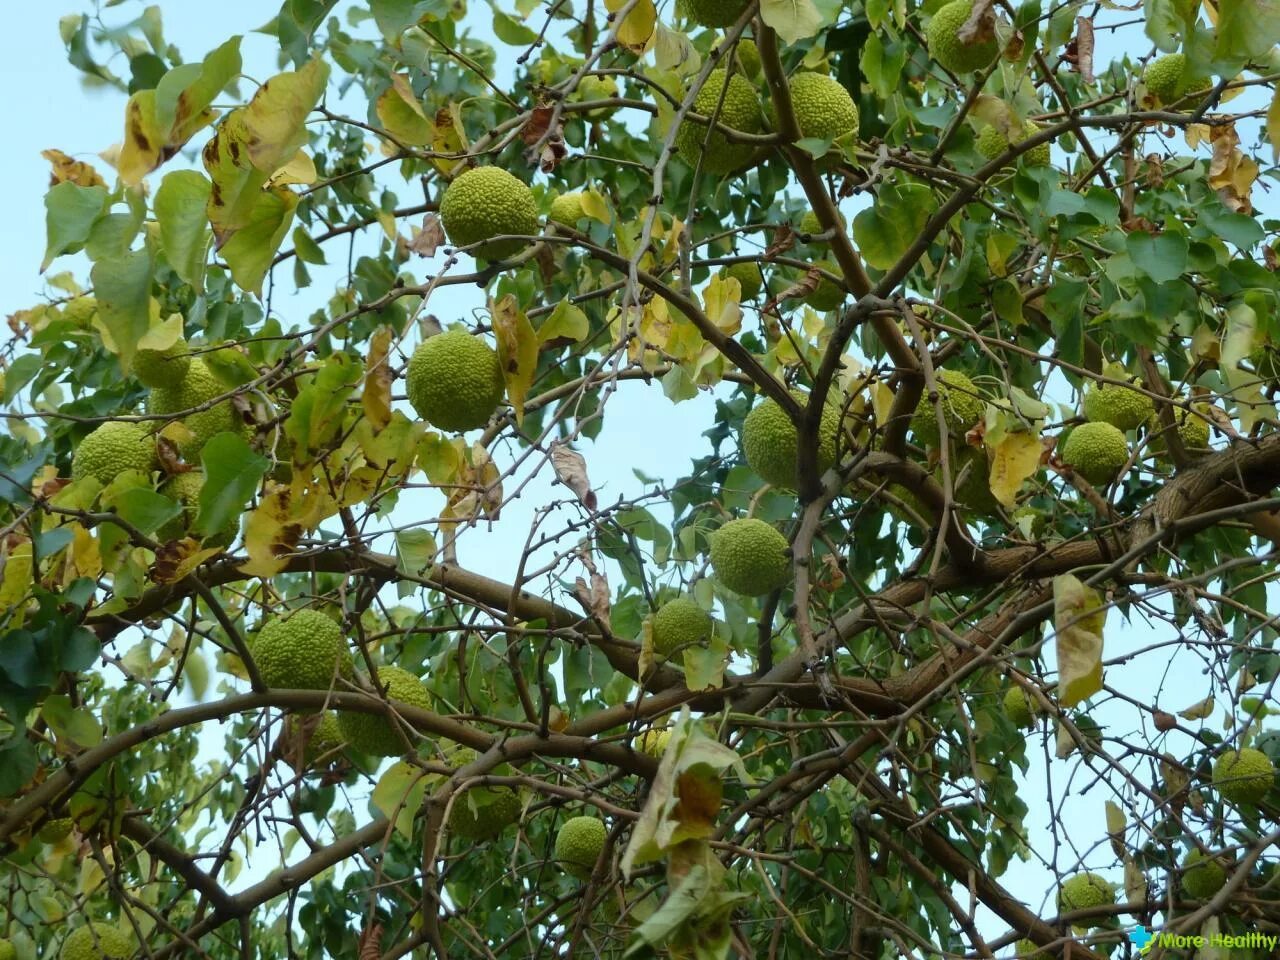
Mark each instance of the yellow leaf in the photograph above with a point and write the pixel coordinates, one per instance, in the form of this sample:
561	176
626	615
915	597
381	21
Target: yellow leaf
270	533
636	29
595	206
376	396
1016	457
401	114
1078	617
517	350
722	303
275	118
300	169
1273	126
448	137
85	560
15	580
236	183
1198	711
67	168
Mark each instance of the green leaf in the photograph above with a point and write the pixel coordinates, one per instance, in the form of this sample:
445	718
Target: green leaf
399	793
75	724
400	113
792	19
1078	616
181	207
1247	29
232	473
1237	229
70	212
393	17
567	322
122	286
415	553
18	763
886	230
144	508
251	250
510	30
318	411
1162	257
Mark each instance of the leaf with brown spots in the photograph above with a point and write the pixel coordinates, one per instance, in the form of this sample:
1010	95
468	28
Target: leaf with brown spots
376	396
178	559
66	168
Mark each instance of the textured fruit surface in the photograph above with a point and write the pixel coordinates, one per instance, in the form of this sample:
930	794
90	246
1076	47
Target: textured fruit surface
1121	407
654	742
487	202
198	387
1202	876
739	111
992	142
714	13
184	488
566	209
1028	950
7	950
1096	451
301	652
748	277
679	624
826	295
810	224
482	812
1019	707
770	441
578	845
823	108
113	448
1165	77
374	733
326	738
750	557
454	381
944	43
1083	891
961	406
1243	776
749	57
597	88
110	943
162	368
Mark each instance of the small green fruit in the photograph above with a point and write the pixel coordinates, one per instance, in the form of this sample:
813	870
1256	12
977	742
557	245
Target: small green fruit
1243	777
1020	707
962	407
941	36
96	941
578	845
991	143
1096	451
748	277
1202	876
770	441
750	557
1123	408
487	202
197	388
1084	891
1165	77
567	209
824	109
454	381
376	734
714	13
740	110
303	651
113	448
163	368
748	56
827	295
679	625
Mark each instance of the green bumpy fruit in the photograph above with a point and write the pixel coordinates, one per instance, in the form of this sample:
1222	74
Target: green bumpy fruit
481	813
750	557
1020	707
823	108
962	407
1027	949
96	941
680	624
454	381
1165	77
748	277
973	492
748	57
714	13
184	489
198	387
487	202
1243	776
992	142
654	743
7	950
1096	451
740	111
1123	408
771	442
592	87
1083	891
578	845
809	224
567	209
944	44
163	368
1202	876
827	295
113	448
303	651
326	739
375	734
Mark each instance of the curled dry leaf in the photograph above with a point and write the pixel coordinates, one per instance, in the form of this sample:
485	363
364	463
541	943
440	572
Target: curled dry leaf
571	470
981	25
429	238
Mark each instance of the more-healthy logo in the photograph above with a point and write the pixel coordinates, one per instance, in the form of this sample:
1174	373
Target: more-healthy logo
1144	940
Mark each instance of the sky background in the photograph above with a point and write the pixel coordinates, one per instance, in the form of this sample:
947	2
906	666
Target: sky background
50	107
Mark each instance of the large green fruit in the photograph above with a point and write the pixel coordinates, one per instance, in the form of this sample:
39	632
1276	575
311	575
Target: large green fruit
373	733
714	13
197	388
750	557
303	651
567	209
1166	77
1020	707
184	489
1096	451
739	111
962	407
96	941
1202	876
326	740
770	441
481	813
679	624
113	448
809	223
749	58
578	845
1121	407
748	277
1083	891
1243	776
944	43
827	295
454	381
992	142
163	368
487	202
823	108
1027	949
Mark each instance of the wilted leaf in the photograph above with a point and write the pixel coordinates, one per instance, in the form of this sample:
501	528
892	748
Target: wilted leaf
1198	711
1078	616
376	396
1015	458
67	168
517	350
571	470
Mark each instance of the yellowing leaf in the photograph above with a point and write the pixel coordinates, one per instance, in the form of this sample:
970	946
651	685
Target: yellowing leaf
1015	458
448	137
637	27
595	206
517	350
67	168
722	301
792	19
400	113
566	322
399	794
250	250
376	396
270	533
15	580
1198	711
301	169
276	116
1078	617
1273	126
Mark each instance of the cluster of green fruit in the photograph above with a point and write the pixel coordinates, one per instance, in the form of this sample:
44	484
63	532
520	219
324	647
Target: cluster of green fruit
178	382
1099	449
